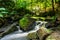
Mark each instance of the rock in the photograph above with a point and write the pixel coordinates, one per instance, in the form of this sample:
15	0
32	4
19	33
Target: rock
34	39
50	25
56	28
42	32
8	29
26	23
54	36
33	36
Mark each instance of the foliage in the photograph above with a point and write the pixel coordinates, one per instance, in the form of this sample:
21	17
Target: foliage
54	18
32	36
9	4
25	3
21	3
3	12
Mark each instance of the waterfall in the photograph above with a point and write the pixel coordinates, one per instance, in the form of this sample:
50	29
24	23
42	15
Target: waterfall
19	29
23	35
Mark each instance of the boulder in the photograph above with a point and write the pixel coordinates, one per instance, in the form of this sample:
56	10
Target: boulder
8	29
32	36
54	36
43	32
26	23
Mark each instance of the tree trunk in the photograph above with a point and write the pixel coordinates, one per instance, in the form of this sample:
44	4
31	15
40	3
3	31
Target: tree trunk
53	6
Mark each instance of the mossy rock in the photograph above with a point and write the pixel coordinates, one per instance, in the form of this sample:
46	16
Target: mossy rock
32	36
42	32
26	23
54	36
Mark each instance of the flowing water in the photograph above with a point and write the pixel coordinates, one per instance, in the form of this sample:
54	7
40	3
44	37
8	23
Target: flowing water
20	35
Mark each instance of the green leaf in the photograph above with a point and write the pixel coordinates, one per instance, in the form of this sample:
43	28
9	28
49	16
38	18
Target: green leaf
2	9
4	12
1	15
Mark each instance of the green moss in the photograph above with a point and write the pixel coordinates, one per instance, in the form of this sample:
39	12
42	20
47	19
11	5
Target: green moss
54	36
26	22
32	36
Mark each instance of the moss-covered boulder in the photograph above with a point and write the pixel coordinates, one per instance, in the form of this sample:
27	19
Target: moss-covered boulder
43	32
26	23
32	36
54	36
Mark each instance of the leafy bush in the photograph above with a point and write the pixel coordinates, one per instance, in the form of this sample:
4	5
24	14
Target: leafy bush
9	4
3	12
6	13
21	3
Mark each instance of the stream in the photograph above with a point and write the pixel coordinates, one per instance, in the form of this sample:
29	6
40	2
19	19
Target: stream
20	35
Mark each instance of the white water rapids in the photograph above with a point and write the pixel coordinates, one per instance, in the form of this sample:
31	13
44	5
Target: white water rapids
19	35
